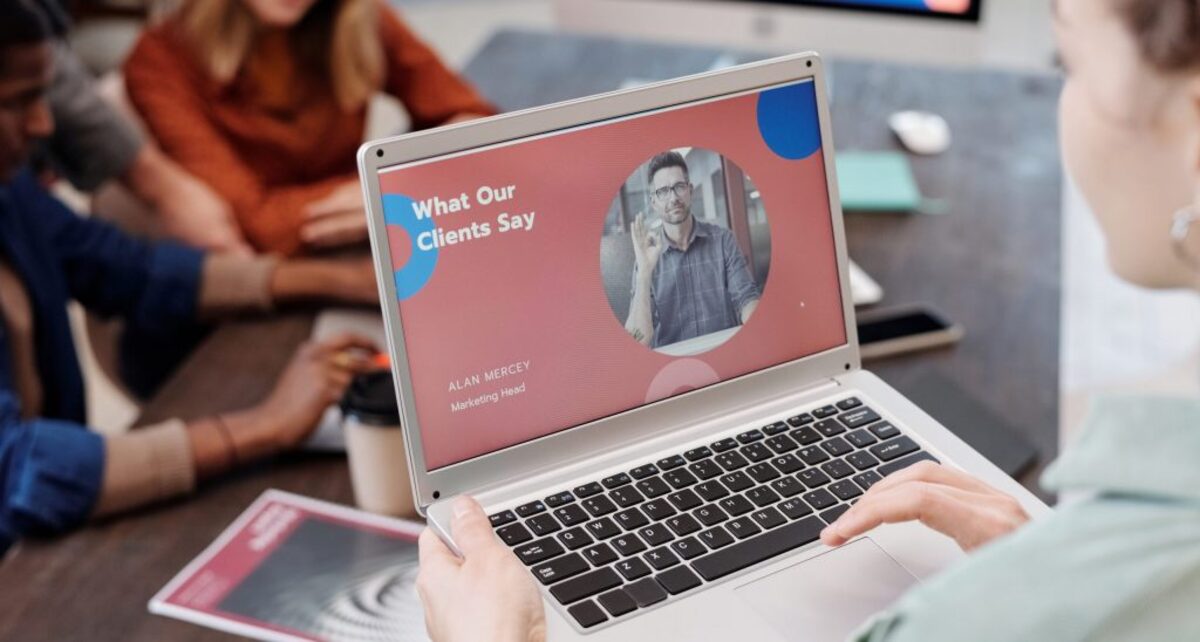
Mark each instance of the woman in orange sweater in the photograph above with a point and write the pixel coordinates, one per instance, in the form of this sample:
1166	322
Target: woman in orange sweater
266	101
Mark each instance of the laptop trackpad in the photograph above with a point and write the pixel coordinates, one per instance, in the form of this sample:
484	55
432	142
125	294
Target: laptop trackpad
828	597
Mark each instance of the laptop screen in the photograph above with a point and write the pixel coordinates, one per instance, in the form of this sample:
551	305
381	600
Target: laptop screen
551	281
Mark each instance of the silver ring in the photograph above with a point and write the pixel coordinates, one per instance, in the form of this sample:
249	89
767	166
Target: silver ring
1180	229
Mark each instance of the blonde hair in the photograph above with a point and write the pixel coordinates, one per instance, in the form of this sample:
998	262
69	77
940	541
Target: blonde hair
339	36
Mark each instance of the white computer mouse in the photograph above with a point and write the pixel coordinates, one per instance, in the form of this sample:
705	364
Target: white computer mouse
921	132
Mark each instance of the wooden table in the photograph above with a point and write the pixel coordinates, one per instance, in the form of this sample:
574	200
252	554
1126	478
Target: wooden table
992	264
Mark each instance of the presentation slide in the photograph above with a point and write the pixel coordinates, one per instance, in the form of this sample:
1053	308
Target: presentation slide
552	281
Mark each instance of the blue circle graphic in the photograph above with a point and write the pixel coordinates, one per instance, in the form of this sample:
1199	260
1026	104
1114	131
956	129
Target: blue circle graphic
401	210
788	121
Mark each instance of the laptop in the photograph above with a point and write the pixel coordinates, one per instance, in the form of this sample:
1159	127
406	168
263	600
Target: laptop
624	325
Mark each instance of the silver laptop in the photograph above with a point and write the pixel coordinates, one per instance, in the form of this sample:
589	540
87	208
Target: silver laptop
624	324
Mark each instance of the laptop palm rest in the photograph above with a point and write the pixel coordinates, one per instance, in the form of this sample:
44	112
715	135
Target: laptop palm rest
829	596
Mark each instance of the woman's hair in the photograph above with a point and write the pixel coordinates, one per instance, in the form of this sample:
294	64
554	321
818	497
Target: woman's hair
1167	31
339	37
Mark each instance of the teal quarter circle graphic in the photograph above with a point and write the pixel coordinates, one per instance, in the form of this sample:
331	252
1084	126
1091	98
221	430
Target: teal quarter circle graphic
788	121
401	211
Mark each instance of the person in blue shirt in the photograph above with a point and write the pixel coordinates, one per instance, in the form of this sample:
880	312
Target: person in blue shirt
55	473
1119	560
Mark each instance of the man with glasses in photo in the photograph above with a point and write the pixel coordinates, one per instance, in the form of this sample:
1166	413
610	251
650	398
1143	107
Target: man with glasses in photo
690	278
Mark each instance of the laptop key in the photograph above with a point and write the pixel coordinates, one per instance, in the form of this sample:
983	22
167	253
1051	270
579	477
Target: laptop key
502	518
626	496
571	514
587	614
660	558
599	505
775	428
655	534
688	548
646	592
884	430
787	487
653	487
705	469
802	419
830	516
859	418
787	464
742	527
868	479
732	460
768	518
825	411
589	489
862	461
632	568
845	490
628	544
560	569
560	499
741	555
643	471
812	455
820	499
615	481
806	436
729	443
678	580
532	508
736	505
543	524
901	464
737	482
837	447
762	496
781	444
762	473
674	461
698	453
685	499
749	436
680	478
683	524
575	538
715	538
600	554
603	528
514	534
861	438
849	403
585	585
794	508
538	551
894	448
756	452
838	469
813	478
829	428
631	518
617	602
657	509
710	514
710	490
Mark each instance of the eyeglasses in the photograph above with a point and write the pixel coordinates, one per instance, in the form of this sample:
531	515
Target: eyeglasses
681	189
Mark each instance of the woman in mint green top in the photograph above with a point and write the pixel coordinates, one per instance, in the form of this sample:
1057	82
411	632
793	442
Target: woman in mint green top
1120	558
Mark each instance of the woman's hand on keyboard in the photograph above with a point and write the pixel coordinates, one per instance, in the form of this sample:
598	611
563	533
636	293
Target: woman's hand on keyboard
944	499
486	595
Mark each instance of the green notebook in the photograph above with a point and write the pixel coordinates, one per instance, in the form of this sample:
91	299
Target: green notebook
877	182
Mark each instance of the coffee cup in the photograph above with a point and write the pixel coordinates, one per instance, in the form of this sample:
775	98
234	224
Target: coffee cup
375	446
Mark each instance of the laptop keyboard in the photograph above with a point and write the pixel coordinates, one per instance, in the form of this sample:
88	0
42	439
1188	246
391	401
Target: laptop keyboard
610	547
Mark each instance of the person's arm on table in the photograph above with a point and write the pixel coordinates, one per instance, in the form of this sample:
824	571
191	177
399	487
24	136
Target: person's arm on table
485	595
